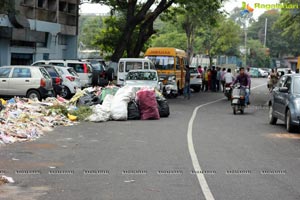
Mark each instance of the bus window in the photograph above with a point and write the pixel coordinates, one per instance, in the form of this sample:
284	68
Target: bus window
121	67
162	62
185	62
177	63
152	66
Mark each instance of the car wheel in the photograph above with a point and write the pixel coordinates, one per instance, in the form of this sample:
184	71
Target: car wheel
65	93
272	119
33	94
289	127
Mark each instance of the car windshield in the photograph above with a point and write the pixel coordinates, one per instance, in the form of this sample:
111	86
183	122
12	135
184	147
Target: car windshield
297	85
162	62
147	76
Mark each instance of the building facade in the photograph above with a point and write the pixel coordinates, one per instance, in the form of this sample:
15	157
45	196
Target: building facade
39	29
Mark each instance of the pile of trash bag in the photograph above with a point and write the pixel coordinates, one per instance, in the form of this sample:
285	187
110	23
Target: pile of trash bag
128	103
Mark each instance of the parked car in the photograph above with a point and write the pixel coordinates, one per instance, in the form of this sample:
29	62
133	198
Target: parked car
25	81
285	102
143	78
57	80
82	68
283	71
254	72
71	81
127	64
263	73
196	79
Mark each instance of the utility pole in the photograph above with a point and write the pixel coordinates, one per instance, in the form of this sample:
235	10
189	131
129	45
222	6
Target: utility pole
266	24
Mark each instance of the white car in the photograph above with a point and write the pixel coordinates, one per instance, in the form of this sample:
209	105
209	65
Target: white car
143	78
82	68
196	80
263	73
283	71
71	80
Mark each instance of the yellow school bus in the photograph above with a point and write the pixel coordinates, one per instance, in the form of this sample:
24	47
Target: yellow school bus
169	63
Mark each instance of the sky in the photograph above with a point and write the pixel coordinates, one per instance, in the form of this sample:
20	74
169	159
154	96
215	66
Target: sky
228	6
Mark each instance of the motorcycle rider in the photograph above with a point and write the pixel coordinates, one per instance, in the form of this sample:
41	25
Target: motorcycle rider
228	77
244	80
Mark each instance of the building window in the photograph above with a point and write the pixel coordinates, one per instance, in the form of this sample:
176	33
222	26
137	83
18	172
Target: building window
62	39
40	3
72	8
62	6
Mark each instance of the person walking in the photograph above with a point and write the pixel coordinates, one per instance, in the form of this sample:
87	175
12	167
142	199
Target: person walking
222	78
214	79
204	80
187	89
209	84
218	81
273	79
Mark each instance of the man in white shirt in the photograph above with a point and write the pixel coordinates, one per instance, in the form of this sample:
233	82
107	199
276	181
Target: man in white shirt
228	77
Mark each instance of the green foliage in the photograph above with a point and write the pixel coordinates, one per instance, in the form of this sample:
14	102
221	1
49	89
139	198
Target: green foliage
107	38
257	56
170	39
82	112
89	28
57	109
223	38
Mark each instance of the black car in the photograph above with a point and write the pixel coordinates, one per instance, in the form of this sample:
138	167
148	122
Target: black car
56	79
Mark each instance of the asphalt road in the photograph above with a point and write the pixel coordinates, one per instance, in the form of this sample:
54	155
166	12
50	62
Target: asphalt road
241	157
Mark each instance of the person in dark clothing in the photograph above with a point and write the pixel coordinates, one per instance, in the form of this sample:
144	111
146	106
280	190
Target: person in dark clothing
214	79
244	80
187	89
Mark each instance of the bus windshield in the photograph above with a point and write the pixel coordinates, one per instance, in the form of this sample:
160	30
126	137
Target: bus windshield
162	62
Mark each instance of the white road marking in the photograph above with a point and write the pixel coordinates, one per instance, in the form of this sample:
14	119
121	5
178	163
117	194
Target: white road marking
201	178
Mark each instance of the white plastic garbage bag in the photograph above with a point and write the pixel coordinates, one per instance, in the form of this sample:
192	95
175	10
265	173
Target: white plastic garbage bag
101	113
120	103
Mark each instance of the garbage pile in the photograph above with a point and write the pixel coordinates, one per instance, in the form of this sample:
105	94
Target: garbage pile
129	103
23	119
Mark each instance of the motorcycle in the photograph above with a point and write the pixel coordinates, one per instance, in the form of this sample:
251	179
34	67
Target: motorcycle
228	91
238	99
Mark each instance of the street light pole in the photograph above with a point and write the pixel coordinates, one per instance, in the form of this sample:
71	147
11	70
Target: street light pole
266	24
245	45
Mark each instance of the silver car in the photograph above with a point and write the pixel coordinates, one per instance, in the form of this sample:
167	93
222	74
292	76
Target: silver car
285	102
143	78
25	81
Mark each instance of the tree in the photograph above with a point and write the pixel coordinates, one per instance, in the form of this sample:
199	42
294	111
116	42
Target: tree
139	20
278	44
191	16
257	57
222	38
289	24
136	14
89	27
238	18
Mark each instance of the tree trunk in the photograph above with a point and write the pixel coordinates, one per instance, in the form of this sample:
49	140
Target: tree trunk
125	42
